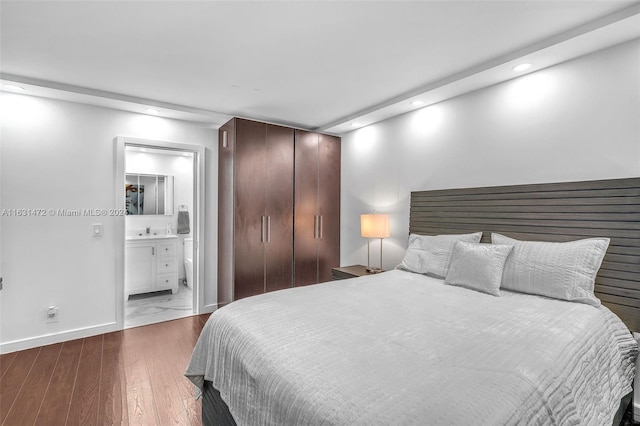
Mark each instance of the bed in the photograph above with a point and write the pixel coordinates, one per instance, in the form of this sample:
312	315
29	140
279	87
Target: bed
415	346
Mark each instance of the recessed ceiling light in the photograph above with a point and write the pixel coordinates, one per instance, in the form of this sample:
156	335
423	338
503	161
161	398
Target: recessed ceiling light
14	87
522	67
152	111
417	103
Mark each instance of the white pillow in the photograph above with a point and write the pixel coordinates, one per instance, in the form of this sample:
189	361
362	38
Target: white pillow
565	271
478	266
431	255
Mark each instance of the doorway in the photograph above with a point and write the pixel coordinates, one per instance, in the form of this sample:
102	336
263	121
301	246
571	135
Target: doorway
160	187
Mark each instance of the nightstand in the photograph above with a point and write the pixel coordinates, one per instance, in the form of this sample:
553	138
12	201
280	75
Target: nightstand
352	271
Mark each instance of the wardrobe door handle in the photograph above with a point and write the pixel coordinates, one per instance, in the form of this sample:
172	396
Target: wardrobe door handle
262	238
315	227
268	229
153	251
321	216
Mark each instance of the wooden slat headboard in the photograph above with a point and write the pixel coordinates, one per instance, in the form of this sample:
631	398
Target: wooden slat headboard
550	212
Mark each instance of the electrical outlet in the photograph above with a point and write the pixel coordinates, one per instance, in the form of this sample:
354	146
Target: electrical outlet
97	230
52	314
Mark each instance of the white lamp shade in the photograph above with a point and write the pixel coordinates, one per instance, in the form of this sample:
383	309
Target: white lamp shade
374	225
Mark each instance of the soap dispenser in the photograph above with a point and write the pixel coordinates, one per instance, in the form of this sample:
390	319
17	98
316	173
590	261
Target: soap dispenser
148	230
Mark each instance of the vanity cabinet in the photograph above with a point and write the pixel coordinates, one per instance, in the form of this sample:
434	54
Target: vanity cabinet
151	264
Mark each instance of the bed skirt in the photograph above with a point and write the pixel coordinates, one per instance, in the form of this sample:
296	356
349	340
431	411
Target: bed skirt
625	404
215	411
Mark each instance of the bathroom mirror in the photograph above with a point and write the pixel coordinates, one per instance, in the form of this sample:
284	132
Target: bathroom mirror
148	194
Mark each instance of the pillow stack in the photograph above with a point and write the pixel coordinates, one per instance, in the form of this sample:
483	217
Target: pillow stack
564	271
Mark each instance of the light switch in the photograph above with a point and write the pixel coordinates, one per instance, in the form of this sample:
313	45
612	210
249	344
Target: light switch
97	229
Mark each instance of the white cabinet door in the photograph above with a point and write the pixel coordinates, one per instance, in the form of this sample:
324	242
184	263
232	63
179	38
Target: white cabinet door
139	273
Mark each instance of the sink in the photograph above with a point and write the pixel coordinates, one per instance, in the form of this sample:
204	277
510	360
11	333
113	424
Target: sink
150	237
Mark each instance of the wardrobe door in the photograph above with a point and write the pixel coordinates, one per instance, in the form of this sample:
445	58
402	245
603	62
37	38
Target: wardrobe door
226	147
306	208
250	221
328	205
279	208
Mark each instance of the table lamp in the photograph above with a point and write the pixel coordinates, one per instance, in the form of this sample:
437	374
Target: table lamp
374	225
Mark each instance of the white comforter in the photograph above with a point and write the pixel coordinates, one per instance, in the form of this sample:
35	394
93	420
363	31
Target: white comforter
405	349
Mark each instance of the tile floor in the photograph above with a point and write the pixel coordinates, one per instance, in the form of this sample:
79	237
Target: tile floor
150	308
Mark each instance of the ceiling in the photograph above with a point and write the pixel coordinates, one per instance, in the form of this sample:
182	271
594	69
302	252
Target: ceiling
317	65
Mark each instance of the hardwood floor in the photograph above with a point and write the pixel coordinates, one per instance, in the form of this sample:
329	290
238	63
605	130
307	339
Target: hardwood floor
129	377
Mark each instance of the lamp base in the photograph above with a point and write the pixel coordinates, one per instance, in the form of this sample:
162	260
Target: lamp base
373	270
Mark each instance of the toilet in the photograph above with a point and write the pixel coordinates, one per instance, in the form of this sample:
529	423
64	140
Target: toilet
188	261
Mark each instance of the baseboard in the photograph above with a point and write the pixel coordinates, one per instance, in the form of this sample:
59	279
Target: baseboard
49	339
207	309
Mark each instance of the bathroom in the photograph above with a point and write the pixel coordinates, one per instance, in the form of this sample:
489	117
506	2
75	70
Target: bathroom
158	235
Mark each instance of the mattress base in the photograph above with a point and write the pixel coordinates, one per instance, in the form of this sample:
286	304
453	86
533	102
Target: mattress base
215	411
624	405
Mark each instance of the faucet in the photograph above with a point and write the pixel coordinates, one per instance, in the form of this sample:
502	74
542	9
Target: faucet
148	230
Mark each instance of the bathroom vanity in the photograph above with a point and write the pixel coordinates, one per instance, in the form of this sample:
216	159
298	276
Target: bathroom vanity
151	264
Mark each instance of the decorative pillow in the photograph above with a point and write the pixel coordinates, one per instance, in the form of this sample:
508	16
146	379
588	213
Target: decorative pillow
431	255
565	271
478	266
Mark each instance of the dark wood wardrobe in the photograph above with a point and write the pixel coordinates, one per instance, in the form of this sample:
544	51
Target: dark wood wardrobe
317	207
278	208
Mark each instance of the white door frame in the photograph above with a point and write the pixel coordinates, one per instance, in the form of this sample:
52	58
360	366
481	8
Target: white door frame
198	219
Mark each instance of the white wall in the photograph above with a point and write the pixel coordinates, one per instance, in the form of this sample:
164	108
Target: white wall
579	120
61	155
